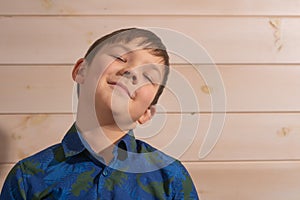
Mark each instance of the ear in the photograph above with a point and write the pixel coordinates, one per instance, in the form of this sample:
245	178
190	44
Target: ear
79	71
148	114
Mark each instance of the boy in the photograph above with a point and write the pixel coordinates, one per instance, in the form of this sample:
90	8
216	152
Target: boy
119	82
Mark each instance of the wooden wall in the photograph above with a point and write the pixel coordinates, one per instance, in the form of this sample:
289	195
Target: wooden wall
255	45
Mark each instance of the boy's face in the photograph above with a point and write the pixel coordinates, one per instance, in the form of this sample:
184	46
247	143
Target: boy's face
125	81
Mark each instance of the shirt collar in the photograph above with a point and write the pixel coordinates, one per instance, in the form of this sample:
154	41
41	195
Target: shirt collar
126	144
130	142
71	143
74	144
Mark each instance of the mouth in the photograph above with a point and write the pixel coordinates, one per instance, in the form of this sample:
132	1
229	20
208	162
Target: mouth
123	88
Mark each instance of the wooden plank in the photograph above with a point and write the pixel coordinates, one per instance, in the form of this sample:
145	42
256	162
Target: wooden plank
243	136
248	88
226	39
252	137
40	89
239	181
246	180
23	135
155	7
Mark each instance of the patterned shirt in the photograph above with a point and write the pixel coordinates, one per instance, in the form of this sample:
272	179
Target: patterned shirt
71	170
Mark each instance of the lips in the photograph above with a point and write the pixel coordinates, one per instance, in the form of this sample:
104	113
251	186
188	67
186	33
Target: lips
123	87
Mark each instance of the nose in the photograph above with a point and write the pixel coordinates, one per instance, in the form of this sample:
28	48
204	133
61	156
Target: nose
131	75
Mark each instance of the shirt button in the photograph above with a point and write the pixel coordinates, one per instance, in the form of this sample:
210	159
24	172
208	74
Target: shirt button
105	173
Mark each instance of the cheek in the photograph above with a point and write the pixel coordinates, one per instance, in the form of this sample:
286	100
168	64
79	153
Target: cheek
98	99
101	94
147	94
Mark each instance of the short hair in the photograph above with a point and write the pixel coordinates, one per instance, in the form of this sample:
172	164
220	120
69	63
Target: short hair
147	40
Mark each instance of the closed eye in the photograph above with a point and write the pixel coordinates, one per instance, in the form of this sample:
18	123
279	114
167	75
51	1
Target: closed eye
120	58
149	78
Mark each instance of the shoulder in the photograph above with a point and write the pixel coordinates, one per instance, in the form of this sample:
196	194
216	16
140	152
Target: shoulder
16	183
154	155
41	160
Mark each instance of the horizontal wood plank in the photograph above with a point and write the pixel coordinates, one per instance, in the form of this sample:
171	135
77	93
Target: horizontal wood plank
36	89
246	180
248	88
243	136
231	88
155	7
225	39
238	180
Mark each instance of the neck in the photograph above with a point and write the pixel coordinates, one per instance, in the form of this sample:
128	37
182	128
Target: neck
100	137
102	140
100	132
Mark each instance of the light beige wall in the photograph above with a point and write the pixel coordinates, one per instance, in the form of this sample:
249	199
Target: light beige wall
255	44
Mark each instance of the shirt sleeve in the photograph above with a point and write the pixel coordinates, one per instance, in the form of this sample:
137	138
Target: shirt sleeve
13	188
185	188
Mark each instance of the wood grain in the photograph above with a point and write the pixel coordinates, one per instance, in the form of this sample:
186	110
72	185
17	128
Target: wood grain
246	180
232	88
23	135
243	137
225	39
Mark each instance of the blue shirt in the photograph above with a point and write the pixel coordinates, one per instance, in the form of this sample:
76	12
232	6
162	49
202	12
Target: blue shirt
71	170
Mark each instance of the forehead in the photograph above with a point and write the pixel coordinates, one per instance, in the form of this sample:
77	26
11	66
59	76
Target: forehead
127	47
